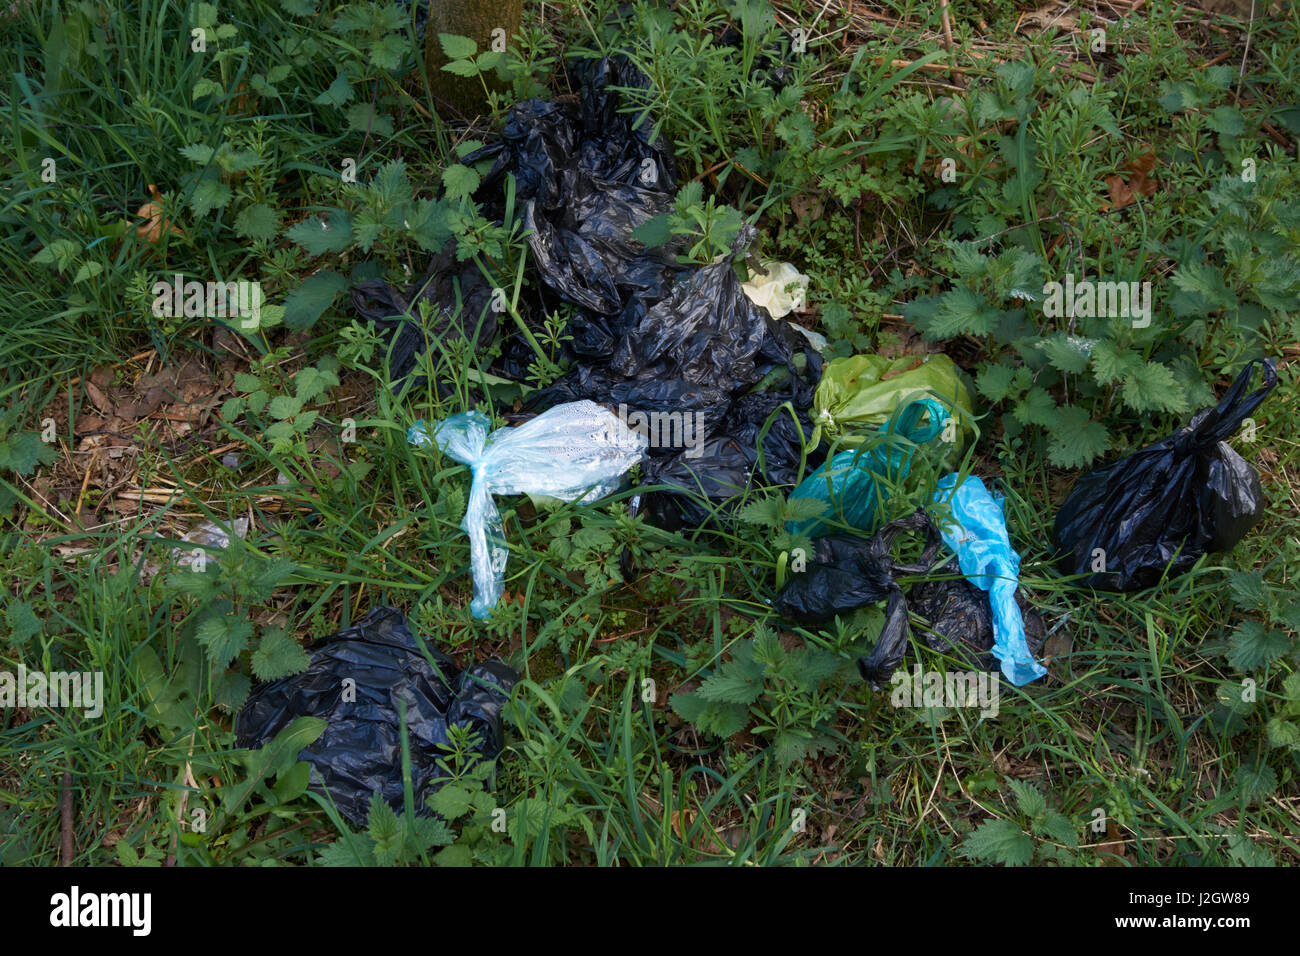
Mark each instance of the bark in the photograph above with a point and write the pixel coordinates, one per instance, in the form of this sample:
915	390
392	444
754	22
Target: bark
463	97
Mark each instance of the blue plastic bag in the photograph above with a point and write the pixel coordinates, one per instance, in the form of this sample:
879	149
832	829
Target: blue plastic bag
847	483
578	451
988	561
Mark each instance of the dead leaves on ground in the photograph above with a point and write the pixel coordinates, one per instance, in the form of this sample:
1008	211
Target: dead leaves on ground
1132	181
151	230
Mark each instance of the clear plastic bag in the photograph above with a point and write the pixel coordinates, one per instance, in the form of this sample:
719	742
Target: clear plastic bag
578	451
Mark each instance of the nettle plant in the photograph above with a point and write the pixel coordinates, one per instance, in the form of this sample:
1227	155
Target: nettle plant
1088	317
1075	359
790	697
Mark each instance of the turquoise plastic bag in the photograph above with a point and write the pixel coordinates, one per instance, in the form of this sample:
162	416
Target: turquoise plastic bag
979	538
847	483
578	451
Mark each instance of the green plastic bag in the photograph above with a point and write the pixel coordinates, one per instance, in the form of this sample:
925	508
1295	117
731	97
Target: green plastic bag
859	393
849	484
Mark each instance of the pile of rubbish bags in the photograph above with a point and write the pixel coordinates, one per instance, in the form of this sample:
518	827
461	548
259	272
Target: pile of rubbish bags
742	398
682	345
735	398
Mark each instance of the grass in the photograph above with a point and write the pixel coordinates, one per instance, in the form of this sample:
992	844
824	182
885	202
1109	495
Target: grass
1162	736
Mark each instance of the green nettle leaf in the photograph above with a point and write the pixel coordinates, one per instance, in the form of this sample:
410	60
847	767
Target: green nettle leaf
1057	826
257	221
1226	120
999	841
731	689
385	830
199	153
427	223
1032	802
311	383
339	92
1206	281
278	655
268	576
1283	733
1036	408
1111	362
61	253
802	509
1256	783
209	193
304	305
247	382
1248	591
205	87
386	52
655	231
592	539
462	68
967	260
1075	441
205	15
1069	353
363	118
722	719
231	690
23	452
357	851
1180	96
23	622
392	184
1291	690
457	47
1253	645
996	382
765	512
1154	388
962	311
88	270
318	236
451	802
298	8
460	181
224	637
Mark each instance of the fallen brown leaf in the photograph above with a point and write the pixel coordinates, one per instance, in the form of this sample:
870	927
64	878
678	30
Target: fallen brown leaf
152	230
1132	181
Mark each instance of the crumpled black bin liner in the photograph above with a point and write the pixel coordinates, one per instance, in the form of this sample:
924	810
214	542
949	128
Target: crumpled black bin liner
1166	505
361	751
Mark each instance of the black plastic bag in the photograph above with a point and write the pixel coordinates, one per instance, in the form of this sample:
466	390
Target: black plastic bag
459	297
848	572
360	751
1126	524
959	618
648	334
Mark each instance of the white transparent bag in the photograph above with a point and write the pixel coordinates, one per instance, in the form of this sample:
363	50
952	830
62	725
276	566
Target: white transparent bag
578	451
